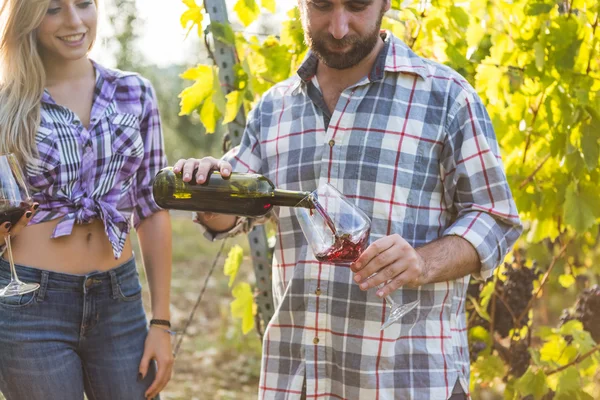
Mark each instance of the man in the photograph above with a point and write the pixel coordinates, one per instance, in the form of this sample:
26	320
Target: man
409	142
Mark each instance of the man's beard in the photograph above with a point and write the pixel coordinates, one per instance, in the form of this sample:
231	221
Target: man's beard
359	47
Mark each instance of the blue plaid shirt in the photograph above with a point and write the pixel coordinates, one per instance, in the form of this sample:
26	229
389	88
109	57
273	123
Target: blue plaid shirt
103	171
412	145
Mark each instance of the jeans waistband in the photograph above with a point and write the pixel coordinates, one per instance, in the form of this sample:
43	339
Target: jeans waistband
70	282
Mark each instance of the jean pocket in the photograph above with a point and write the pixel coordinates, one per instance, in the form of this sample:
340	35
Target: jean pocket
130	290
19	301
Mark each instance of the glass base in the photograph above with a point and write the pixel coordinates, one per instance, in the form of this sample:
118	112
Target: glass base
398	311
16	288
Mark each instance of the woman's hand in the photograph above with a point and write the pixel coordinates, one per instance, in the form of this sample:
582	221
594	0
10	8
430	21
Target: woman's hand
157	347
7	228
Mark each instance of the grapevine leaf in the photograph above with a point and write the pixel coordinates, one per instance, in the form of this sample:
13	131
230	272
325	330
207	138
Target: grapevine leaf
488	368
247	11
222	32
242	306
590	145
459	15
233	262
540	55
269	5
568	381
209	115
193	96
534	9
480	310
532	383
193	14
566	280
578	213
234	102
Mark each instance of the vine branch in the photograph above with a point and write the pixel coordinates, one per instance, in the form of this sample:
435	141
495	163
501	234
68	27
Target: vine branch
544	279
535	171
576	361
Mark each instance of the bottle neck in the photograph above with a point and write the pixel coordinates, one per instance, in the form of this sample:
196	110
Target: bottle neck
289	198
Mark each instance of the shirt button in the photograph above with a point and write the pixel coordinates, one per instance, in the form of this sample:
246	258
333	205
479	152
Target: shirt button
331	143
318	291
76	122
88	283
316	340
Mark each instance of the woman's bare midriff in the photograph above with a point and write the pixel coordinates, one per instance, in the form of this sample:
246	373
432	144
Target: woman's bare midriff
85	250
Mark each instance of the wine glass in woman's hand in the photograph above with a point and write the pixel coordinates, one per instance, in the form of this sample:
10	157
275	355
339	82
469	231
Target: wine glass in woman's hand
16	207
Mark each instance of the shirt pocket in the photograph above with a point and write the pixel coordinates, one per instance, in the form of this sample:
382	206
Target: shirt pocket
127	145
44	168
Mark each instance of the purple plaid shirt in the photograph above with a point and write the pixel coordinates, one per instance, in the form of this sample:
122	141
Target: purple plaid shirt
412	145
103	172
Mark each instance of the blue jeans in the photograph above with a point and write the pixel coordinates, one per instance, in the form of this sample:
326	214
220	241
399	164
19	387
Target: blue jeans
75	333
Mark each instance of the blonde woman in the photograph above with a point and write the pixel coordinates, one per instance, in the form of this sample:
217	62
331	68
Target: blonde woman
90	142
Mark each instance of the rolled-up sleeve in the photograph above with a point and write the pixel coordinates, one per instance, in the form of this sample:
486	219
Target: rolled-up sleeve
154	154
476	186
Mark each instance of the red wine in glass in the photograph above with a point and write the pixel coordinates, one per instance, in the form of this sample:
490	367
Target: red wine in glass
350	228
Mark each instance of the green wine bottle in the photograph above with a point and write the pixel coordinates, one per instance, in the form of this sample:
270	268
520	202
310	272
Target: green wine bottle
250	195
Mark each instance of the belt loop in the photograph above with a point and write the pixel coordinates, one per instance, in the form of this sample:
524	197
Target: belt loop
43	286
114	284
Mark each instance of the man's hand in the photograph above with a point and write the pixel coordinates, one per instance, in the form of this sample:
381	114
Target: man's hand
204	165
390	259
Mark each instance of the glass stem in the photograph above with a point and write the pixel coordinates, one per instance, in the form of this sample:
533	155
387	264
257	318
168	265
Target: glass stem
13	272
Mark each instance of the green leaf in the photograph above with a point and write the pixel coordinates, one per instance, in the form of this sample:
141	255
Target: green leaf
590	145
234	102
459	15
568	381
269	5
540	55
243	306
566	280
534	9
488	368
247	11
578	213
223	33
233	262
532	383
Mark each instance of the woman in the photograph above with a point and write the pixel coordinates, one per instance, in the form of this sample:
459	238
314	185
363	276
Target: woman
90	142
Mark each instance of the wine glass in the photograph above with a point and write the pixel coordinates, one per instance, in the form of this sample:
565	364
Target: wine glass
338	232
14	203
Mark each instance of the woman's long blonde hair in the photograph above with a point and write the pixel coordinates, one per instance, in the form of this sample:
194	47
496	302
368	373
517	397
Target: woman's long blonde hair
22	76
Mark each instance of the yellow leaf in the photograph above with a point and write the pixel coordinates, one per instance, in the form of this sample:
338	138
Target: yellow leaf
199	72
234	102
193	96
566	280
233	262
209	115
269	5
193	15
242	306
247	11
